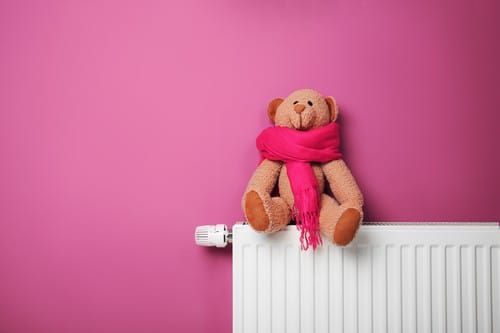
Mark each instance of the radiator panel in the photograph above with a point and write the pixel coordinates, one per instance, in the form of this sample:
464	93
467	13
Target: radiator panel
392	278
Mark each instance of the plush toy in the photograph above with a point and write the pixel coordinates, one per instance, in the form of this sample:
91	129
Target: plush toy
300	159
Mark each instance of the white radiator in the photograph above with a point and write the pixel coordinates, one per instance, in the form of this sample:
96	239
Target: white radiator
392	278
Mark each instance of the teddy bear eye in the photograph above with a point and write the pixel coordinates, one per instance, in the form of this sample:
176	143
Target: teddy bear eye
295	102
310	103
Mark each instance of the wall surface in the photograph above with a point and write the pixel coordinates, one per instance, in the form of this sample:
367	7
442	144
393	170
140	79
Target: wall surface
125	124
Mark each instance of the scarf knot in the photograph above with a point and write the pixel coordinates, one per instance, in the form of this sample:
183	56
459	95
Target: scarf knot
298	149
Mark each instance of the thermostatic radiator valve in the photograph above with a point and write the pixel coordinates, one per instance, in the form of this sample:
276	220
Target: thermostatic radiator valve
212	235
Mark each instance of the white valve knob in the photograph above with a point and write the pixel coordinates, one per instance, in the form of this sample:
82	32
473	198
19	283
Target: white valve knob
212	235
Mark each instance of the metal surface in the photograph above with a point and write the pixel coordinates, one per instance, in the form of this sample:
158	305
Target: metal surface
393	278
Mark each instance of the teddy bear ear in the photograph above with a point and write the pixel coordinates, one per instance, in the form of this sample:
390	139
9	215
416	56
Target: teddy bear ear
273	106
332	106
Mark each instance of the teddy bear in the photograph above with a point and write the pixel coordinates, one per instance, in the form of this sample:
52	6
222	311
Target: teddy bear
302	175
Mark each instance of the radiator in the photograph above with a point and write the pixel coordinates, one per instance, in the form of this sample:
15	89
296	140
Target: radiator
392	278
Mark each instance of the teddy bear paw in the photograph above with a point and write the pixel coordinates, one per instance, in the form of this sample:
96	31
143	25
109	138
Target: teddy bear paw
255	211
346	227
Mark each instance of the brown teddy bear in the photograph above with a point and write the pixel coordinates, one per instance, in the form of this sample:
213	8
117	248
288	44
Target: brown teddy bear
300	158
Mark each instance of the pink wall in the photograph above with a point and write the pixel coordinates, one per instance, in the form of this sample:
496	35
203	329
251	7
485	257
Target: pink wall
125	124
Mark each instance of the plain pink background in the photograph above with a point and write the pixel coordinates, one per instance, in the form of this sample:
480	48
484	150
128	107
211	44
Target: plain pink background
125	124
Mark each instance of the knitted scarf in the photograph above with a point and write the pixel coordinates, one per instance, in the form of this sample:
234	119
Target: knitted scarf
297	149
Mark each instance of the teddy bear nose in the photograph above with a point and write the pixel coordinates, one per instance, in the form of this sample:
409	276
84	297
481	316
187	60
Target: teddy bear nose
299	108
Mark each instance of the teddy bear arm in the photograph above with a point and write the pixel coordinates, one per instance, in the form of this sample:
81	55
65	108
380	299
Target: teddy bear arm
342	183
265	177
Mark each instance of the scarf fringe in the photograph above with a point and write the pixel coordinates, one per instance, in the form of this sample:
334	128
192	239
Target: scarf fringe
306	208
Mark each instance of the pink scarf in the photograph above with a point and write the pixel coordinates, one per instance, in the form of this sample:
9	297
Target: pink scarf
297	150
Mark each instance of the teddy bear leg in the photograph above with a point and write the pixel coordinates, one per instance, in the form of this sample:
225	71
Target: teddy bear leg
339	223
266	214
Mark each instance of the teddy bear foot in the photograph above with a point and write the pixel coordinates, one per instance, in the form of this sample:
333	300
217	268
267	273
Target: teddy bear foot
255	212
346	227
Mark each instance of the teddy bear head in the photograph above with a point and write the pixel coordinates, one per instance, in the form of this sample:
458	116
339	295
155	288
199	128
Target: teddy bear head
303	110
